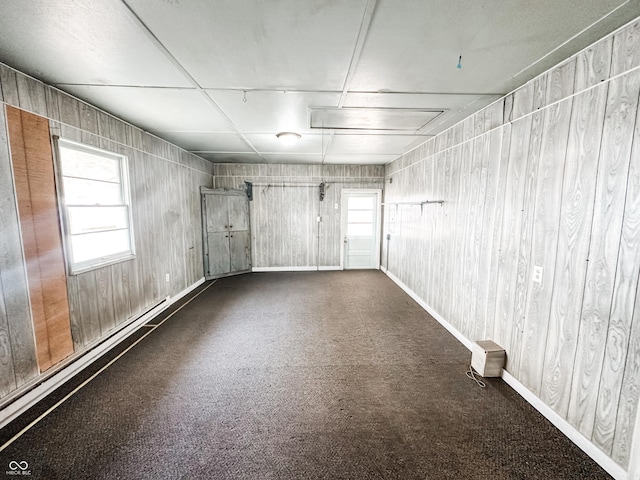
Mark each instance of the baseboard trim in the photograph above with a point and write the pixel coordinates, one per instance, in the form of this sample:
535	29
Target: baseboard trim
454	331
295	269
615	470
78	362
601	458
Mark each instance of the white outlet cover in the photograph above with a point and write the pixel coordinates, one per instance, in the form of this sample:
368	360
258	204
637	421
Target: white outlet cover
537	274
336	206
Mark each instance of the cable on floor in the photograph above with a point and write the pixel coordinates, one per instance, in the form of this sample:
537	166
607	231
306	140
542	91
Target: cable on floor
472	375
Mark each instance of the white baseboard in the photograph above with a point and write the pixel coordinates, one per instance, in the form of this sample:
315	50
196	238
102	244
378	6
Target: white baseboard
78	362
601	458
615	470
455	332
294	269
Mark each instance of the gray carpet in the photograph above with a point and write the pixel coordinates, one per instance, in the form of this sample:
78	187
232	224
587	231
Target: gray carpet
329	375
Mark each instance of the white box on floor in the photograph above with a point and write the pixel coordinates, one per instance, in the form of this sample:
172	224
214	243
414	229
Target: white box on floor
487	358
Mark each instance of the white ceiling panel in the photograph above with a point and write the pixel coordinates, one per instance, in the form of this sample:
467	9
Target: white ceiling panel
496	39
367	144
207	142
88	42
380	119
272	111
232	157
221	78
359	159
294	158
156	109
284	44
268	143
408	100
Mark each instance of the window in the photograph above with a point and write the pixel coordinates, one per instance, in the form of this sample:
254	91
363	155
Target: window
95	206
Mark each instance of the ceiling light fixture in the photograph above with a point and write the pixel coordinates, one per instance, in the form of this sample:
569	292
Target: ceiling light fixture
288	138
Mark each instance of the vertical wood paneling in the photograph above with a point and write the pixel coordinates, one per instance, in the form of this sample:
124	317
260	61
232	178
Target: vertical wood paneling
37	206
581	165
610	188
626	311
523	326
16	321
624	289
563	194
593	65
506	323
544	245
504	136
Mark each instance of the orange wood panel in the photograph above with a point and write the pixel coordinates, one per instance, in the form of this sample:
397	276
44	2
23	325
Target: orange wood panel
37	204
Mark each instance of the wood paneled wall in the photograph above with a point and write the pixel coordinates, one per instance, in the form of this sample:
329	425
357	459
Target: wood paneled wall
548	177
286	204
18	362
34	181
165	183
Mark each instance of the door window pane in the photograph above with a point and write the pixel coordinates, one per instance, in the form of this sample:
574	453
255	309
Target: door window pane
360	216
360	229
360	203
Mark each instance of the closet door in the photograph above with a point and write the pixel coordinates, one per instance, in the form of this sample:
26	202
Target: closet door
226	232
216	223
239	235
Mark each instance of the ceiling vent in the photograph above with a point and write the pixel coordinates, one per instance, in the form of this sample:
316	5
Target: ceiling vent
393	120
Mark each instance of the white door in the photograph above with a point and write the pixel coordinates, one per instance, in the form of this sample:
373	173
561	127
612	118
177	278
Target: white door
361	228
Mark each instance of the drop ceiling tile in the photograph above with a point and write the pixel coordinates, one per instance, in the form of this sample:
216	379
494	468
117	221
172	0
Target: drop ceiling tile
372	144
82	43
359	159
266	112
408	100
286	44
497	41
268	143
207	142
294	158
364	118
232	157
156	109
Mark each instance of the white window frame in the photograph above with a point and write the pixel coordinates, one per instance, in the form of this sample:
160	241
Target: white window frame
75	268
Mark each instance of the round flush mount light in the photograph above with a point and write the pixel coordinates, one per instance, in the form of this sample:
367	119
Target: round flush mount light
288	138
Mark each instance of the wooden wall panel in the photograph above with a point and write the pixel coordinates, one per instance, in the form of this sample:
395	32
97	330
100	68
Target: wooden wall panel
285	206
37	205
18	363
581	165
560	192
603	250
165	185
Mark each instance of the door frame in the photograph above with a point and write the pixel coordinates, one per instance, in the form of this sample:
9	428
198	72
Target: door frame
343	221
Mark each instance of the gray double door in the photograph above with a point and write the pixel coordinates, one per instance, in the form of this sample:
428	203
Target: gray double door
226	232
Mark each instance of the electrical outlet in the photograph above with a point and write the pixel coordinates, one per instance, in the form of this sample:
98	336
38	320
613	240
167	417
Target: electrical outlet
167	278
336	206
318	219
537	274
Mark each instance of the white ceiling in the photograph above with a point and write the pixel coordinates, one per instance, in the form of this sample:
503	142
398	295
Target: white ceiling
222	77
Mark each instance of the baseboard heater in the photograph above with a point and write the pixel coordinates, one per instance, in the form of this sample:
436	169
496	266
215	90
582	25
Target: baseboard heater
32	392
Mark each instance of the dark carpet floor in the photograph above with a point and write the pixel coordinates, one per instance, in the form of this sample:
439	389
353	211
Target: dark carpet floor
329	375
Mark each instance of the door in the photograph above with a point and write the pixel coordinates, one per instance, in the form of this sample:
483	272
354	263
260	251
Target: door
226	232
361	228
